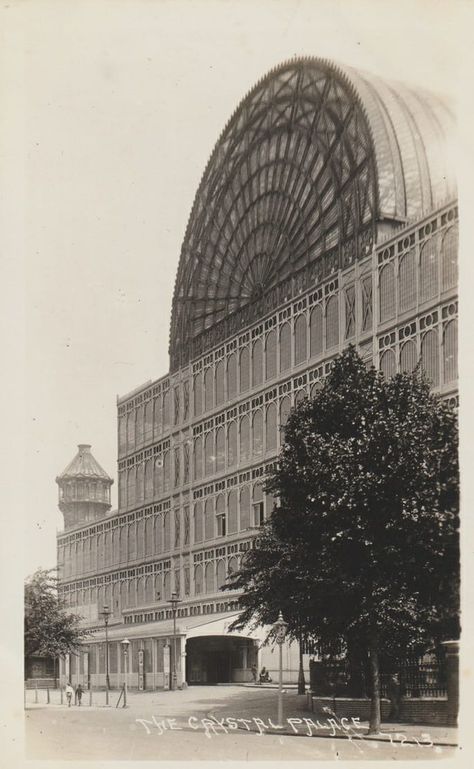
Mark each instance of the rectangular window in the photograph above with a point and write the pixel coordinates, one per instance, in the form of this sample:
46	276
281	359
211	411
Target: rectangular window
350	312
366	291
221	527
258	514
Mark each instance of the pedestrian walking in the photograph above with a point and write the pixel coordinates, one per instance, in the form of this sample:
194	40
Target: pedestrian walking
69	692
394	695
254	672
79	692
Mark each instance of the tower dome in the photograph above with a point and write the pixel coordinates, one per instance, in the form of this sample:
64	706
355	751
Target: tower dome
84	489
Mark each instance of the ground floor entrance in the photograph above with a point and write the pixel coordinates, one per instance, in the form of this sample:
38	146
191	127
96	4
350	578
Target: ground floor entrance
219	660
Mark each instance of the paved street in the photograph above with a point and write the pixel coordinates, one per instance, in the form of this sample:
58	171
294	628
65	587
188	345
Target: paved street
206	723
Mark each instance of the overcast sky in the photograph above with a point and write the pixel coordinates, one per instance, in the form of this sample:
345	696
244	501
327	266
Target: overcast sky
118	106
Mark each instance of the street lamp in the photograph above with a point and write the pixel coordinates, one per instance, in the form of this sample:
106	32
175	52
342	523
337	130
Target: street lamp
125	644
174	604
105	613
280	627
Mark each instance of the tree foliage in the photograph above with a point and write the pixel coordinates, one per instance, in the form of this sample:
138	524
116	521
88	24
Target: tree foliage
49	628
362	546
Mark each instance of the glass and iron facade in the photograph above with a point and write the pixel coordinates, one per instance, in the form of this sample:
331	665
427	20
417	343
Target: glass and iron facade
326	216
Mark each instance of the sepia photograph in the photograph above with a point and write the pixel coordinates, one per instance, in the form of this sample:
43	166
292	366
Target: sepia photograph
237	491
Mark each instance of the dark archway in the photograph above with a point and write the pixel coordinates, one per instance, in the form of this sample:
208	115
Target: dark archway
219	659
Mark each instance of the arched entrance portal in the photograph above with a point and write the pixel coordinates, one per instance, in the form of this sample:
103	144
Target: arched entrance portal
219	659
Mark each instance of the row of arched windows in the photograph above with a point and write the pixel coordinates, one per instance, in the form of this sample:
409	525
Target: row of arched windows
146	481
229	513
440	364
419	280
144	423
290	345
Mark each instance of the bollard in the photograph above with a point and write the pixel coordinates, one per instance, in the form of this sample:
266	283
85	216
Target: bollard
90	696
61	693
36	692
47	695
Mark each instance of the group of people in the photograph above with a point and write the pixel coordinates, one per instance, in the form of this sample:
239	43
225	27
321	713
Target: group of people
263	678
77	692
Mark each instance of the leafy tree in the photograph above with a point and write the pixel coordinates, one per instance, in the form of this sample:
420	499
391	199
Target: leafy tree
362	547
49	628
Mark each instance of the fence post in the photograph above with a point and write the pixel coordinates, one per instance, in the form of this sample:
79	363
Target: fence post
61	692
36	692
90	696
452	680
47	695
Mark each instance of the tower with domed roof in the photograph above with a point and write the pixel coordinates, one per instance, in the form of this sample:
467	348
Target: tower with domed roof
84	489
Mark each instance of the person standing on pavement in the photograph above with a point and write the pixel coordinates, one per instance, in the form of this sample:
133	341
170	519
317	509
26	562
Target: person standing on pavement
254	672
79	691
69	692
394	695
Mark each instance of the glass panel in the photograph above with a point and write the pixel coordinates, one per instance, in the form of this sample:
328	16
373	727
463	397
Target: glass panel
450	258
450	351
332	322
408	357
270	355
285	347
300	339
244	363
387	292
430	356
387	363
407	282
429	269
257	433
220	383
232	376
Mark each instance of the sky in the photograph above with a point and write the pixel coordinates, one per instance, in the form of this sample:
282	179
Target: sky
114	108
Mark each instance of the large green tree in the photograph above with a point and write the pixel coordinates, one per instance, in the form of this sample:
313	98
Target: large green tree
49	628
362	546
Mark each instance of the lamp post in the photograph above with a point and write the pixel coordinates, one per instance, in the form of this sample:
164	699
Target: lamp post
280	627
174	604
105	613
125	644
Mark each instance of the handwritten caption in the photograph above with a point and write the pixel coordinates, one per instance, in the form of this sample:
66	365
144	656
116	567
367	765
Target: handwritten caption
211	726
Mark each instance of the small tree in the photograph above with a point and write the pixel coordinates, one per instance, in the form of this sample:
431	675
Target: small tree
362	546
50	629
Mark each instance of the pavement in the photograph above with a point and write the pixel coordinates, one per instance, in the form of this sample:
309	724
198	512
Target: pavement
219	710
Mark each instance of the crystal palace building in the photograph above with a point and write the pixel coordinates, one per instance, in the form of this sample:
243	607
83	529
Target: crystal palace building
326	216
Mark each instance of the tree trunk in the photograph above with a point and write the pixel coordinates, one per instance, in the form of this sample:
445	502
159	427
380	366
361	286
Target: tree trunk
301	678
374	724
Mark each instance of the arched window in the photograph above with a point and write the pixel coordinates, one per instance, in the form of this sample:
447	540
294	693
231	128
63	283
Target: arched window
148	421
149	536
285	347
198	458
300	339
258	505
158	534
244	366
430	356
407	282
198	523
450	351
198	579
233	565
300	396
408	356
157	415
166	532
257	433
131	430
209	455
149	590
209	388
271	437
166	409
219	383
270	355
244	439
231	376
166	471
166	586
209	519
232	522
387	363
123	546
449	256
131	479
244	508
257	363
197	393
140	538
429	269
140	487
220	449
387	292
332	322
158	476
232	444
140	425
220	573
285	408
122	434
316	387
123	594
316	331
149	480
116	546
132	542
122	488
210	578
108	548
221	516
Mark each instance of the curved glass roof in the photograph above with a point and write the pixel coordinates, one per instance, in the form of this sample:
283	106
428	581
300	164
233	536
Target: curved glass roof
313	157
